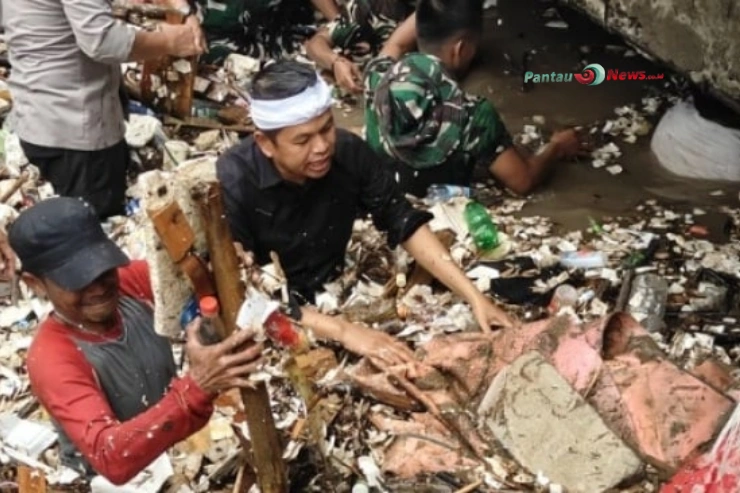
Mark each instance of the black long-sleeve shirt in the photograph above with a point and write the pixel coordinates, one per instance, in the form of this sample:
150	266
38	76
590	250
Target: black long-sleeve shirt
310	225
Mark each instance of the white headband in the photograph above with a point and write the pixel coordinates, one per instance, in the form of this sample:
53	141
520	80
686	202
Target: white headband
295	110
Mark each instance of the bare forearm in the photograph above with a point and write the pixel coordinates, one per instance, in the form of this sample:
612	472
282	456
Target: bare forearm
321	51
323	326
327	7
432	255
402	40
540	164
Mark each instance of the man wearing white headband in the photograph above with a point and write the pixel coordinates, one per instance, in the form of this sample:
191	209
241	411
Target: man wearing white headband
298	184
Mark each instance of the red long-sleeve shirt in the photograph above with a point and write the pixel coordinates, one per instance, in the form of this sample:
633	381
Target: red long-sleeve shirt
66	385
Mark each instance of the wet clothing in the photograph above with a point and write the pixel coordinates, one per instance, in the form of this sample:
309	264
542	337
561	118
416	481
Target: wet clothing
367	21
258	28
99	176
310	225
416	113
115	397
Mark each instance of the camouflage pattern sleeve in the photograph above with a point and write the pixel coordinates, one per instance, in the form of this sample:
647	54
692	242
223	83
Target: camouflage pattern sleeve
368	21
486	135
374	72
345	29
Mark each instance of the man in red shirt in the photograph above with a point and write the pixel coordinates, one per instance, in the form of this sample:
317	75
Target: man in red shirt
106	378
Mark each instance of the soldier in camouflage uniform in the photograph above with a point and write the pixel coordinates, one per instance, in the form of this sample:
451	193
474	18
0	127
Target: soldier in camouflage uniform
348	42
417	114
258	28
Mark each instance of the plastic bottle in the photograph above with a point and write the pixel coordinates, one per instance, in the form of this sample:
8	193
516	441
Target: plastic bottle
360	487
209	309
190	312
481	226
583	259
647	301
204	109
564	296
281	330
440	193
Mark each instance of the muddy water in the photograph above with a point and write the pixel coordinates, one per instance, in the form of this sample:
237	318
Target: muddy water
576	190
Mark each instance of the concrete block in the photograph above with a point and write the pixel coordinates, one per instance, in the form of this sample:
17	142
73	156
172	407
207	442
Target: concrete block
698	37
550	429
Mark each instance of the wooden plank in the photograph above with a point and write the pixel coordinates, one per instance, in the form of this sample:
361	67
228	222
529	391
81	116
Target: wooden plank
207	123
173	228
267	450
31	480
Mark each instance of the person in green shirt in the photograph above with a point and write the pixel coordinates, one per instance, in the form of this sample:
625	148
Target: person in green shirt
436	133
261	29
354	37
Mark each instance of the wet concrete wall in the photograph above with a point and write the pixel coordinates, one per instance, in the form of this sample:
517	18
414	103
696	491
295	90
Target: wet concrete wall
700	38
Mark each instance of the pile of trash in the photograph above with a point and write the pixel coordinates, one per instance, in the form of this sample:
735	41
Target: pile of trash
456	422
624	368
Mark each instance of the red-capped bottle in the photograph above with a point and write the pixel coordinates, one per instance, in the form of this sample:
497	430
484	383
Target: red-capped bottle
209	309
281	330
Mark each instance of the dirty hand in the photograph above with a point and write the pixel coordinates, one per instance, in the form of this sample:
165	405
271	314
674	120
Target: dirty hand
182	39
347	75
224	365
7	259
381	346
200	39
488	314
569	144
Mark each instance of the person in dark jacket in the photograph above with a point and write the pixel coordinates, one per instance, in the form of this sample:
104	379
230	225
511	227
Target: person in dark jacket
296	187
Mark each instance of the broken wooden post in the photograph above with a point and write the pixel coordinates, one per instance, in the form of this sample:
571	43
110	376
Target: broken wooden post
31	480
266	446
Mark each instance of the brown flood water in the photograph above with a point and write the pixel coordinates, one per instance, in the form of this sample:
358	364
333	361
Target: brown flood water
576	190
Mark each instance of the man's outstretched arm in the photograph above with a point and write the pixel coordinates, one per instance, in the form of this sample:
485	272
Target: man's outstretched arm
403	39
521	173
426	249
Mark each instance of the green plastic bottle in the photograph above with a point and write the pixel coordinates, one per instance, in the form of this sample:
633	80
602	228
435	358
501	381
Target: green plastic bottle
481	227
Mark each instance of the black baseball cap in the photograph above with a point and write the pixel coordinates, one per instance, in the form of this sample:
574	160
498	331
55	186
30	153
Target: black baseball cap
61	239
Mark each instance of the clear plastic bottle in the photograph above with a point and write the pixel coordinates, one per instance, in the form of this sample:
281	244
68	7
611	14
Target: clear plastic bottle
583	260
360	487
481	226
564	296
209	308
647	300
440	193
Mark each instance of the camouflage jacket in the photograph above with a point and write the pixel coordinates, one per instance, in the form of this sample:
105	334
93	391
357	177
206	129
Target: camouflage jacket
367	21
257	28
230	16
416	113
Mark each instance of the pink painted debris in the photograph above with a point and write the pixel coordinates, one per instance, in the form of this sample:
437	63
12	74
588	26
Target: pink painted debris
665	413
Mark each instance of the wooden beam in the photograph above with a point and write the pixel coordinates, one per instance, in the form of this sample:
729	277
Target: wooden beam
267	450
31	480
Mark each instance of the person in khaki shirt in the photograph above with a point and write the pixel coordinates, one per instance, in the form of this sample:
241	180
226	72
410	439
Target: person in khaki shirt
65	79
